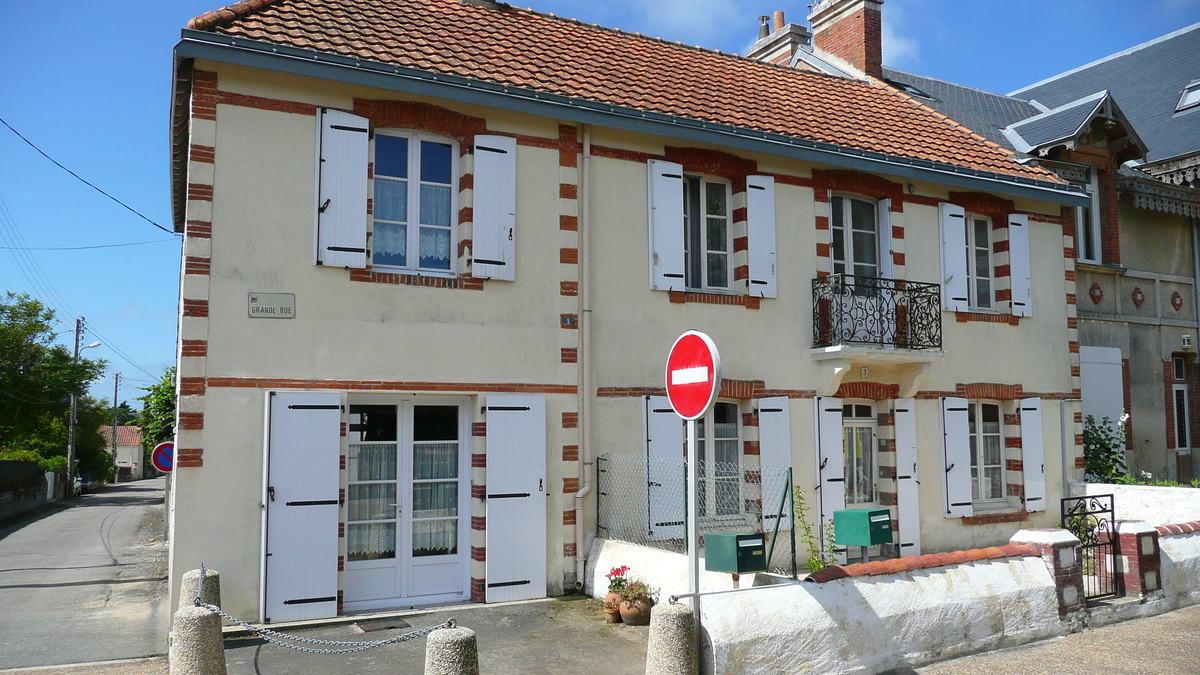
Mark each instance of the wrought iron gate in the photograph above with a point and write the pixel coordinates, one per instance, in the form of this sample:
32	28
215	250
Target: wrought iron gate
1091	520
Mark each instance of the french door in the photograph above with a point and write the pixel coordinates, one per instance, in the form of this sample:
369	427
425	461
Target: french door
406	501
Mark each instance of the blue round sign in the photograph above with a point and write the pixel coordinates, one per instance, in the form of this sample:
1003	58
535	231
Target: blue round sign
163	456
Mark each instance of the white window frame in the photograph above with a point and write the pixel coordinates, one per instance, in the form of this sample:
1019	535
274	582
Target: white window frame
846	227
1087	224
1190	98
973	278
872	423
709	483
690	223
413	233
1179	400
978	467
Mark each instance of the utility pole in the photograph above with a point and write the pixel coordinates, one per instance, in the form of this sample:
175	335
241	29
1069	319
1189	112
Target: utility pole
116	390
71	423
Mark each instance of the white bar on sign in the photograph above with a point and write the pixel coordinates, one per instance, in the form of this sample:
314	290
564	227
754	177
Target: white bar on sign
689	375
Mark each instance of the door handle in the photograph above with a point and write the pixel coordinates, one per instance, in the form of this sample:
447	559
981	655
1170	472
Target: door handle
540	484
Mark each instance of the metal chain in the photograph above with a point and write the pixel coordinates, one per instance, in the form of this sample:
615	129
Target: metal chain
278	638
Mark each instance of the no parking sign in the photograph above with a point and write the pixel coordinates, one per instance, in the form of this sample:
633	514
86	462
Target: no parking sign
163	456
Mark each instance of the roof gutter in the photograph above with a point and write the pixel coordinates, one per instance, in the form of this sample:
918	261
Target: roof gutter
351	70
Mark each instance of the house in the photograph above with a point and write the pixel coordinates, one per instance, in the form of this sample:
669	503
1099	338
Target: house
129	456
436	252
1127	129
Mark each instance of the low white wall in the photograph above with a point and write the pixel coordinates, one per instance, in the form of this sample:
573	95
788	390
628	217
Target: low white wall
662	570
1181	568
874	624
1155	505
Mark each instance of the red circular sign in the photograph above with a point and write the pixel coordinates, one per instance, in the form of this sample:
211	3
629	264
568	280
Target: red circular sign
163	456
693	375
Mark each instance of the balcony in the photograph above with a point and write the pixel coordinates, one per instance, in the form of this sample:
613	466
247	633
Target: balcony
862	321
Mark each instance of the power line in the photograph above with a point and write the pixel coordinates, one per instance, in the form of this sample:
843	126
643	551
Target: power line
83	248
82	180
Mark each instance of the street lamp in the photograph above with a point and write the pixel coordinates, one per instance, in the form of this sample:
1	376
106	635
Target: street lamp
74	405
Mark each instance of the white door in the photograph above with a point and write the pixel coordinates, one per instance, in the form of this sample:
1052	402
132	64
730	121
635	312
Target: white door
666	477
516	498
1102	381
406	533
301	498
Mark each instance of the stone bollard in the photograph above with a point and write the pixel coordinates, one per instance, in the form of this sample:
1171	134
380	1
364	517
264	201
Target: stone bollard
196	645
671	649
451	651
212	588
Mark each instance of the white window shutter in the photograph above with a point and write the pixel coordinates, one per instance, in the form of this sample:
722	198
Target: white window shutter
760	228
1033	454
774	456
883	218
954	257
1018	265
666	226
831	460
493	245
303	454
908	507
516	498
666	477
342	189
956	457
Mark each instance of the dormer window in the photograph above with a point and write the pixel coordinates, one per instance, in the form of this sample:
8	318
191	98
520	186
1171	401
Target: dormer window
1190	97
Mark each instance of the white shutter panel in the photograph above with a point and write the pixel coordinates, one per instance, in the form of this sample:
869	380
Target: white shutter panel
342	189
666	226
883	216
1033	454
954	257
516	498
303	454
666	477
1018	265
1102	377
774	456
908	507
494	207
831	460
760	226
956	457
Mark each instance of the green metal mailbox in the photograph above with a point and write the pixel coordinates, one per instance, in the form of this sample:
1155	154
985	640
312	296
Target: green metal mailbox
862	527
736	552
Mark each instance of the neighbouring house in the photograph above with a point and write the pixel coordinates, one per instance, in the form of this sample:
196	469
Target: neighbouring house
436	252
127	450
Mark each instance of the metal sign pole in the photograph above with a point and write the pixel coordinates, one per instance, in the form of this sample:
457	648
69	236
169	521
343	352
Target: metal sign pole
693	529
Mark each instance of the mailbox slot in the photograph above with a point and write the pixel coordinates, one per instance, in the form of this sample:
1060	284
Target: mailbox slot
862	527
735	552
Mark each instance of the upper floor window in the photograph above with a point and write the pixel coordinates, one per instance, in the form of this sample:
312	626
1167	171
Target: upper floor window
855	236
1087	226
979	261
1190	97
414	201
987	452
708	233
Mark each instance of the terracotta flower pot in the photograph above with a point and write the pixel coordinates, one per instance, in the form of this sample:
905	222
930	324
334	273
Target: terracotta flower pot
612	608
636	611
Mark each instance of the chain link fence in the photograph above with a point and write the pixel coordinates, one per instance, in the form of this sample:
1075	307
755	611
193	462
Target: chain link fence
643	500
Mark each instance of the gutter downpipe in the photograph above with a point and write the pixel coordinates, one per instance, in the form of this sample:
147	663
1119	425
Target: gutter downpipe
585	357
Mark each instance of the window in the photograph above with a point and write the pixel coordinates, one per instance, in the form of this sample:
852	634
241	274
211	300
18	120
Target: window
979	261
855	237
1179	391
858	443
1190	97
708	237
1177	365
414	202
987	452
1087	225
719	469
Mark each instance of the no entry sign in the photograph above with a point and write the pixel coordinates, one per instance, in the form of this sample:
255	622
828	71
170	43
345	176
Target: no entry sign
693	375
163	456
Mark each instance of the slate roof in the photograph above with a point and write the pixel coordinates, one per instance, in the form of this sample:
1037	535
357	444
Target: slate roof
126	435
983	112
1146	81
532	50
1058	124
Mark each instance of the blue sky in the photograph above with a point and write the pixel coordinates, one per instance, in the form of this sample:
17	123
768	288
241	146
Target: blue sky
89	82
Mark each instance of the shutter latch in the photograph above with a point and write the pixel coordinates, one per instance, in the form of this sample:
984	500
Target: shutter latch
271	493
321	208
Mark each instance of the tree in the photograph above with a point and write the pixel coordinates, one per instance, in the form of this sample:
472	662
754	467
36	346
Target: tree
158	410
37	378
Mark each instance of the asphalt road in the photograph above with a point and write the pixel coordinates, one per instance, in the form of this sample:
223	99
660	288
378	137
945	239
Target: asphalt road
85	581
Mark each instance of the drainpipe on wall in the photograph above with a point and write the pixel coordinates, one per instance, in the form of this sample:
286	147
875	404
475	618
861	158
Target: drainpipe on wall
585	356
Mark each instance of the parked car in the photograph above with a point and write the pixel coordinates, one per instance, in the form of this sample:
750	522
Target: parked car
83	483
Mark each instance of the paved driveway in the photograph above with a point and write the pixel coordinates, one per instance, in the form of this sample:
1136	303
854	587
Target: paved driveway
85	581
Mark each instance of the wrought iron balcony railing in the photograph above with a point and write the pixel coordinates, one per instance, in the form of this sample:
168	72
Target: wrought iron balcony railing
849	309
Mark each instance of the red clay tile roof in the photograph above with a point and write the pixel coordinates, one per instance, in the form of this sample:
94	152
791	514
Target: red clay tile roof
126	435
528	49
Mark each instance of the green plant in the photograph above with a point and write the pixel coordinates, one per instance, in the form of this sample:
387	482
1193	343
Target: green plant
818	557
1103	455
635	589
57	464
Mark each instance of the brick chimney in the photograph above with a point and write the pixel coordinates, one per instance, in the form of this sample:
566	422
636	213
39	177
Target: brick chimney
778	40
850	30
